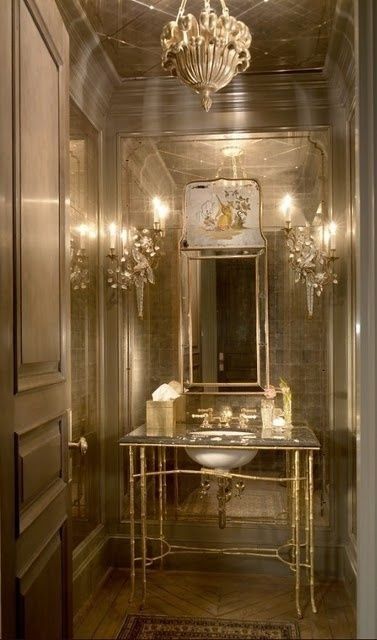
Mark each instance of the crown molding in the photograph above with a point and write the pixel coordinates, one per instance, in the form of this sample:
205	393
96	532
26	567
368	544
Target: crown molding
93	76
340	59
247	92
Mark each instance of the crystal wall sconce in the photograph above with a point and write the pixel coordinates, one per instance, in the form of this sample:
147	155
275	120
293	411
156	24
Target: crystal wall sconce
311	253
79	276
135	262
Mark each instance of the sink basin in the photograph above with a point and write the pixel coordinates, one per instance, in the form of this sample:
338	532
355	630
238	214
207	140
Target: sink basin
221	457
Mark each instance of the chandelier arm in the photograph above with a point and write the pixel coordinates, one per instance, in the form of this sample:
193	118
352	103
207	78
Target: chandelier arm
181	9
224	8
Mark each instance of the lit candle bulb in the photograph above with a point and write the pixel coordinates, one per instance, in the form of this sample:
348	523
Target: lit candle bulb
286	207
156	210
332	234
164	210
124	236
113	235
83	230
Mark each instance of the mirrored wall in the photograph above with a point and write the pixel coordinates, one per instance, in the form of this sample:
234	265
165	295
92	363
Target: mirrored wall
84	221
294	163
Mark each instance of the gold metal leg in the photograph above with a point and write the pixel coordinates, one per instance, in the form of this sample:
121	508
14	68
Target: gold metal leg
132	521
311	530
164	487
307	517
160	504
143	518
176	486
292	504
153	466
297	529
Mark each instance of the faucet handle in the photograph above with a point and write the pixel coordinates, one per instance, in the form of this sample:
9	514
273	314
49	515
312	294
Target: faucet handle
245	416
250	414
209	412
202	416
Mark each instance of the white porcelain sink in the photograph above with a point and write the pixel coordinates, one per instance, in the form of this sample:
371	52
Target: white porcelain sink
222	457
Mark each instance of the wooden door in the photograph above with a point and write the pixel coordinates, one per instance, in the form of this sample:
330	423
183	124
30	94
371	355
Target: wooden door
34	367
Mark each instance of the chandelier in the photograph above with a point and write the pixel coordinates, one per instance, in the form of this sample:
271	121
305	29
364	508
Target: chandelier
134	263
311	253
205	53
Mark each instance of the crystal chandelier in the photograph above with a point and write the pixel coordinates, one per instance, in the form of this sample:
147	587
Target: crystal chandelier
311	253
205	53
137	259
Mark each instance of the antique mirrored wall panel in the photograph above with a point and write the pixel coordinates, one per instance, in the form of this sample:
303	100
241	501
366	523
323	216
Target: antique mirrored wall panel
294	162
84	212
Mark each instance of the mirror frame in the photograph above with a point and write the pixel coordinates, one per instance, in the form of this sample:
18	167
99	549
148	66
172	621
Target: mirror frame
258	253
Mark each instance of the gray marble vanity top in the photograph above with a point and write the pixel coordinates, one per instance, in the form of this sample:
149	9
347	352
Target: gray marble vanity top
299	437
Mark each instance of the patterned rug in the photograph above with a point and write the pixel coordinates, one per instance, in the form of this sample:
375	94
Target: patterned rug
144	627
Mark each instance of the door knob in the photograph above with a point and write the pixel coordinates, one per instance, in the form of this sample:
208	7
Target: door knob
81	445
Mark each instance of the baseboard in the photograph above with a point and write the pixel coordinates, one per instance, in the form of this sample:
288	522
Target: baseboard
90	566
350	570
328	561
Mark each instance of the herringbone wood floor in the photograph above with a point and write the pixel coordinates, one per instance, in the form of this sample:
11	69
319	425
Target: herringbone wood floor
202	595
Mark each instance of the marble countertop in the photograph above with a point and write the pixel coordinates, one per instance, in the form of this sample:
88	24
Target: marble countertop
183	435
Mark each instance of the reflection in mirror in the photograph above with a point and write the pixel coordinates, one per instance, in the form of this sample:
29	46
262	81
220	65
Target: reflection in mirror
223	294
84	217
283	162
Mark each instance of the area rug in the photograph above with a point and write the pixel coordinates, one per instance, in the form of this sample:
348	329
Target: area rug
145	627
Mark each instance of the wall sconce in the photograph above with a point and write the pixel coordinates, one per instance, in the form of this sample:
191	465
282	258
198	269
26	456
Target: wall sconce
134	264
79	276
311	253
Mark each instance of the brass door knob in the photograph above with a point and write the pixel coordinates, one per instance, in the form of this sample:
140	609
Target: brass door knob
81	445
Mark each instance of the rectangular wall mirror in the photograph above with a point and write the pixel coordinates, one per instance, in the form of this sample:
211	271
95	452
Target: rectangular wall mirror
224	321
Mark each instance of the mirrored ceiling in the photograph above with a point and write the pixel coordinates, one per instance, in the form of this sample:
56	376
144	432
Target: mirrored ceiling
293	162
287	34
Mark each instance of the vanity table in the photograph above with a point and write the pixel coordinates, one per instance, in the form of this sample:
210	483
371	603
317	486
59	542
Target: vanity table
299	444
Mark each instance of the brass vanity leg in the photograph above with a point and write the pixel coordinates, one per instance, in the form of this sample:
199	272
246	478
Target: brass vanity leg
132	521
160	504
143	518
164	486
288	489
153	468
292	505
297	529
307	509
176	486
311	530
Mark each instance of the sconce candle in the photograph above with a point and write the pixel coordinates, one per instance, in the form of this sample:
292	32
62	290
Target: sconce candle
160	212
124	237
286	207
112	231
83	230
332	233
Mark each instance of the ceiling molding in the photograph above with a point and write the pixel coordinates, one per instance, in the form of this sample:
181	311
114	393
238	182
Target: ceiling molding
246	93
92	74
340	60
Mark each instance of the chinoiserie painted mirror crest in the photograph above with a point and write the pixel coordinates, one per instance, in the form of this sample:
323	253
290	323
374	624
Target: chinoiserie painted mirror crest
224	288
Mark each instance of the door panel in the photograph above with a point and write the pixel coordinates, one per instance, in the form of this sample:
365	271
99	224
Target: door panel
39	199
35	527
34	603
